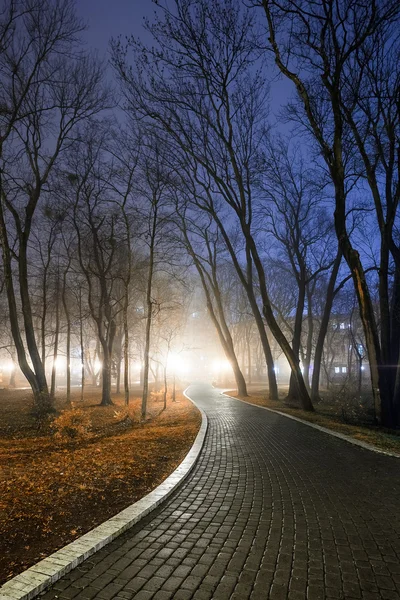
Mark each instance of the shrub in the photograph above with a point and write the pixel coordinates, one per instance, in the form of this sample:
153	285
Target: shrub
72	424
157	396
124	416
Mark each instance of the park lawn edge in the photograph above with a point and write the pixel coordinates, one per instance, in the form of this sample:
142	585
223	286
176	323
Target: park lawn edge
33	581
375	439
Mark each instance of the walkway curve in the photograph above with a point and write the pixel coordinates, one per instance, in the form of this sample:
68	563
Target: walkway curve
272	510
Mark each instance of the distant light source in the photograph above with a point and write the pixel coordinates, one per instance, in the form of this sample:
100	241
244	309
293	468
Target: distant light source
60	362
177	365
8	366
174	361
221	365
97	364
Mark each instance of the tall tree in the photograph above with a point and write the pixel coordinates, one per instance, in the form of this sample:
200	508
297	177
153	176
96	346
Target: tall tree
326	50
295	211
200	239
48	87
98	224
214	118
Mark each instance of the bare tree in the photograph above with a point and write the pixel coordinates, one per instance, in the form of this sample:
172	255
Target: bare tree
326	49
48	87
152	187
97	222
214	118
201	241
125	152
295	212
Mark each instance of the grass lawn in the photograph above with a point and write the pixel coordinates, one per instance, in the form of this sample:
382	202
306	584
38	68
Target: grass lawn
54	490
326	415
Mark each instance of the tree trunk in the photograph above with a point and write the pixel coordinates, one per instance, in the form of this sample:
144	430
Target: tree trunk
68	357
296	341
319	348
165	386
56	338
248	285
42	397
149	305
220	323
36	379
107	342
68	344
310	335
146	360
272	383
106	382
293	360
11	382
118	369
43	320
379	386
249	365
126	356
82	346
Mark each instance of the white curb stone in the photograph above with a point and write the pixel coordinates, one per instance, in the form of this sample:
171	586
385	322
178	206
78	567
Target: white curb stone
34	580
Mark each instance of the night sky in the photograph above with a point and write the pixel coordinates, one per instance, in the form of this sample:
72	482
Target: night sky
111	18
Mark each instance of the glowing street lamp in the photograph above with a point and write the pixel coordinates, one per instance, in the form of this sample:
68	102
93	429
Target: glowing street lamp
60	361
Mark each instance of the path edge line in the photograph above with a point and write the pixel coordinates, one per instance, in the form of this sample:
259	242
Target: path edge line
40	576
341	436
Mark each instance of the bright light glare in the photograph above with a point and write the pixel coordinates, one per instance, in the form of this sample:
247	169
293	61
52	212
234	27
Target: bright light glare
60	362
220	366
174	361
8	366
176	364
97	364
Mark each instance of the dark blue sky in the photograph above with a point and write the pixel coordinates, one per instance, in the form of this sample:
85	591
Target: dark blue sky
110	18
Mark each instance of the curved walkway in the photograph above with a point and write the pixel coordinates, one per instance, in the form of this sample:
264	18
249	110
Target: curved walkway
273	509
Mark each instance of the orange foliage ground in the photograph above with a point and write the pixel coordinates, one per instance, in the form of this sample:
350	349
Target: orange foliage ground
52	491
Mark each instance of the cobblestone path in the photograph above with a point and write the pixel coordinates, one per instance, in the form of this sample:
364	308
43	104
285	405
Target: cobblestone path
273	510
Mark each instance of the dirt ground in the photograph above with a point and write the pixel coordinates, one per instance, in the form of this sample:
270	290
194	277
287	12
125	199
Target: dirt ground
52	490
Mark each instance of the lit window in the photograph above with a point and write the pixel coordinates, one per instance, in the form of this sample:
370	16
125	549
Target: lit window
337	369
344	369
342	325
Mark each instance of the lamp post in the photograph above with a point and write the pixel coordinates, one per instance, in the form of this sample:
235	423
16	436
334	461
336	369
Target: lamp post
174	363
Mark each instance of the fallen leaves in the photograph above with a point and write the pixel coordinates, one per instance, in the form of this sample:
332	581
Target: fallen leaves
53	491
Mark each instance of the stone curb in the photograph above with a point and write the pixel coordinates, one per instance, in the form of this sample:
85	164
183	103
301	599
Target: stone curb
34	580
341	436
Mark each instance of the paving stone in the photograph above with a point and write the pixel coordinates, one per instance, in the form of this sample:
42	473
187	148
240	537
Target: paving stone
273	510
